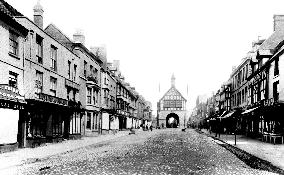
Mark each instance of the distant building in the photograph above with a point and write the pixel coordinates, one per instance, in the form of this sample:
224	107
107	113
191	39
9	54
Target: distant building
172	108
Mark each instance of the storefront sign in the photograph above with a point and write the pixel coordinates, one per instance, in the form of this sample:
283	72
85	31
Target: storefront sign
52	99
263	103
10	93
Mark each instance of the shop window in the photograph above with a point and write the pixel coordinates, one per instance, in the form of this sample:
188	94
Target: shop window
95	121
13	79
53	86
39	49
53	58
14	43
88	124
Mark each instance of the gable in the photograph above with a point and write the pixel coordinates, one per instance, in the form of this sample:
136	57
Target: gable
171	94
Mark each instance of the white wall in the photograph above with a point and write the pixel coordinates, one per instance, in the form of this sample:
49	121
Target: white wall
128	122
115	123
9	126
105	122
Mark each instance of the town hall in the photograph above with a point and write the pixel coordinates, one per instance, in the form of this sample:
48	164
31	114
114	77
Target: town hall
172	108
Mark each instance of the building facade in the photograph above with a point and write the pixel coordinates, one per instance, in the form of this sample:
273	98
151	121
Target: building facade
46	85
172	108
12	101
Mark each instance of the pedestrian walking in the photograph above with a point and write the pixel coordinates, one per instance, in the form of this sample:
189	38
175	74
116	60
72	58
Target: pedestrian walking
151	127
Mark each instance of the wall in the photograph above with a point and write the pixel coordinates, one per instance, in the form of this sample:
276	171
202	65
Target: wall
31	63
8	62
9	130
105	121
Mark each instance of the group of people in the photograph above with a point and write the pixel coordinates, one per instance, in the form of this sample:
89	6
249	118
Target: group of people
146	128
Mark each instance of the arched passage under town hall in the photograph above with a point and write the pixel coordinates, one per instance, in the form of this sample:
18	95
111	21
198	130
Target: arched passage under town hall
172	120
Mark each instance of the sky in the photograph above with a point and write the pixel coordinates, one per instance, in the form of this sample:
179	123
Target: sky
198	41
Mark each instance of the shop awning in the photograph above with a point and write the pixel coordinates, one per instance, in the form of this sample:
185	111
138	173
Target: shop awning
249	110
222	115
228	115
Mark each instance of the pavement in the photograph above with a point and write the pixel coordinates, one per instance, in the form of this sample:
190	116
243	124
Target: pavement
263	150
24	155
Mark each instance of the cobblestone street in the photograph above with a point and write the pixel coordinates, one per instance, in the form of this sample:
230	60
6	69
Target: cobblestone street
167	151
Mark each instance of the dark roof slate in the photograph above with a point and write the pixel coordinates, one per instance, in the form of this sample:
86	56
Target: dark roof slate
273	41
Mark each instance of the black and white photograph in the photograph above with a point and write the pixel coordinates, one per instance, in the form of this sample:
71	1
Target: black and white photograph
141	87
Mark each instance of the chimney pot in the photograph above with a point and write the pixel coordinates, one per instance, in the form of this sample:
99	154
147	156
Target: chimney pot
278	22
38	15
79	37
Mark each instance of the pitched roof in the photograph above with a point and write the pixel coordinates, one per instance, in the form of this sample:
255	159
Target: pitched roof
174	89
8	9
269	45
7	13
59	36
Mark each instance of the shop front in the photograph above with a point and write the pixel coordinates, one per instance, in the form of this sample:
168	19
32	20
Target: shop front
46	120
74	129
261	117
11	105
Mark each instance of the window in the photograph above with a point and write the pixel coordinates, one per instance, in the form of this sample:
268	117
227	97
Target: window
69	69
39	49
14	43
75	72
91	69
276	90
94	95
88	124
106	97
276	66
246	71
96	72
68	93
39	82
53	58
85	69
13	79
53	86
89	95
95	120
74	95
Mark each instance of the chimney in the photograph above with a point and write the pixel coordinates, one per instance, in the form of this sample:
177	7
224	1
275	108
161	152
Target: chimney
233	68
278	22
79	37
99	51
116	64
38	11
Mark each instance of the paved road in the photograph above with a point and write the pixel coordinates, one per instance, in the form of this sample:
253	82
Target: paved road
167	151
